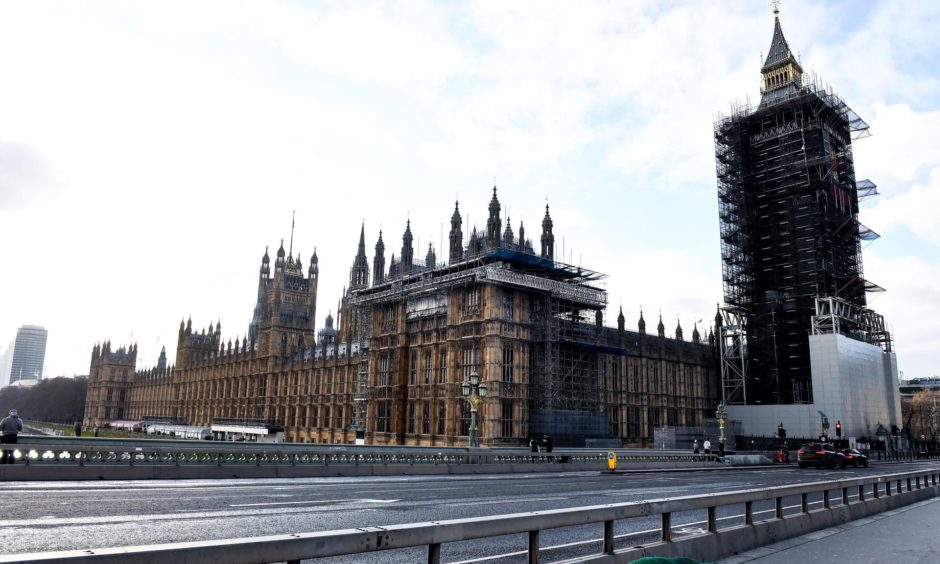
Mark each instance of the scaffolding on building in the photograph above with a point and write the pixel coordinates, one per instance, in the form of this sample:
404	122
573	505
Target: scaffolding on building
563	376
733	357
789	229
840	317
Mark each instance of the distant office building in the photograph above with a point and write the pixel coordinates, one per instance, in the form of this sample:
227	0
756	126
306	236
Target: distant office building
29	353
796	329
6	361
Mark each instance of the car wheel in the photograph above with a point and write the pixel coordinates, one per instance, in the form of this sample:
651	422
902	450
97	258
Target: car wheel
842	464
856	463
865	464
801	465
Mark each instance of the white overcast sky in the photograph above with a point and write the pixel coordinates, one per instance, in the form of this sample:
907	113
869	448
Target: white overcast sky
149	151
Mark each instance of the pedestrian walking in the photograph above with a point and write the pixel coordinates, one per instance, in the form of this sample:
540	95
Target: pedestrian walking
695	446
78	428
10	427
707	445
534	445
547	443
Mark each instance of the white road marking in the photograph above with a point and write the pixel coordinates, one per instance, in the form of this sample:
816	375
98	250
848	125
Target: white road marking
314	501
514	500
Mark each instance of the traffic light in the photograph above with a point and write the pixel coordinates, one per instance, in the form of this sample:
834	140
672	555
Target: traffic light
839	429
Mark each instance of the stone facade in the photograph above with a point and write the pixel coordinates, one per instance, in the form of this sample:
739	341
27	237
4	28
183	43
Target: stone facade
392	367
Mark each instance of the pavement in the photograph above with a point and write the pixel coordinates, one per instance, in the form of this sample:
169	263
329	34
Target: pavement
907	535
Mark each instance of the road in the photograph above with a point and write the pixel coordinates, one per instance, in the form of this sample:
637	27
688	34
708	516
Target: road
42	516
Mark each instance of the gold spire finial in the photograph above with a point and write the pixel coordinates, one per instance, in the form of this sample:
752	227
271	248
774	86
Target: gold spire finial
776	6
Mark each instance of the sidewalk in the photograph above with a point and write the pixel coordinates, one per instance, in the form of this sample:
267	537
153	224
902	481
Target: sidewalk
907	535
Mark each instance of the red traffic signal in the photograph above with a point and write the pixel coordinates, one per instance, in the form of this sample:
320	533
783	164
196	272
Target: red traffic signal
839	429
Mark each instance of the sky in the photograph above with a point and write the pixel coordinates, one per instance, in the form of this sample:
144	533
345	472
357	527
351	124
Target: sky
150	151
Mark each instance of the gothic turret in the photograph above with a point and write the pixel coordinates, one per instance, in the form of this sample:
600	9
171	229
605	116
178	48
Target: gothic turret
621	321
456	236
279	261
359	273
521	237
474	243
161	361
641	324
696	336
431	259
378	263
508	235
265	264
661	329
548	238
314	271
407	251
678	330
494	224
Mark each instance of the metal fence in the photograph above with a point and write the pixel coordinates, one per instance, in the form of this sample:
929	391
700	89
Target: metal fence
837	501
78	452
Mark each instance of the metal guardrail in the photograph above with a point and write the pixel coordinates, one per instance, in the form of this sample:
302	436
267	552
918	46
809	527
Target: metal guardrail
158	453
296	547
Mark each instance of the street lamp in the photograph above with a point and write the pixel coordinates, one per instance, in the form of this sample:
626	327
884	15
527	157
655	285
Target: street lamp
473	393
722	416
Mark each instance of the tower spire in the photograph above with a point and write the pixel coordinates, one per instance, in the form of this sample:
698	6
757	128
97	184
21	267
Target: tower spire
293	215
781	73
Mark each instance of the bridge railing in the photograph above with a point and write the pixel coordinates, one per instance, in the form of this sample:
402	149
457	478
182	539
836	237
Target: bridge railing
854	498
155	453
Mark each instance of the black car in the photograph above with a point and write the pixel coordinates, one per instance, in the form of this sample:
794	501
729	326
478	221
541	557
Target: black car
854	457
820	455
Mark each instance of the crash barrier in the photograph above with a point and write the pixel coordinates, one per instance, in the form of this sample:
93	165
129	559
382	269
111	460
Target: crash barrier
123	459
759	517
903	455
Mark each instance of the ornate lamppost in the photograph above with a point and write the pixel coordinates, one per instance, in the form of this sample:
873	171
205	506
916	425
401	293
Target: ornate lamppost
473	393
722	417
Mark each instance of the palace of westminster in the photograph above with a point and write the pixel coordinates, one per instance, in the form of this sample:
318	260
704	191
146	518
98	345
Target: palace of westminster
389	369
795	338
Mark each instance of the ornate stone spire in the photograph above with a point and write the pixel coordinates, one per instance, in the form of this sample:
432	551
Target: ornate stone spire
407	251
641	324
359	274
661	329
378	262
494	224
548	238
781	73
456	236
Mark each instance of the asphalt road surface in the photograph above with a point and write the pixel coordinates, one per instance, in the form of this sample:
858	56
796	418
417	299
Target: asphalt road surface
44	516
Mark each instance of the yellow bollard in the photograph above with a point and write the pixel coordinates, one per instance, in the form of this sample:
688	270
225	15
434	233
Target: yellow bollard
612	460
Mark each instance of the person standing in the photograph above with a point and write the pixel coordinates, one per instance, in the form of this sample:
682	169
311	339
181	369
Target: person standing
695	446
534	445
78	428
547	443
707	445
10	427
